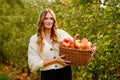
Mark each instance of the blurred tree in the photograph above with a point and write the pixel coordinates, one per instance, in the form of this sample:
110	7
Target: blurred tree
86	17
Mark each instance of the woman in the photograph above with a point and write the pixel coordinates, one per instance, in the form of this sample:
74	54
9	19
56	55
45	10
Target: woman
43	49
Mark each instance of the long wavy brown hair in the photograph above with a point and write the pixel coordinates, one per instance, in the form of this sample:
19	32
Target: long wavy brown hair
40	28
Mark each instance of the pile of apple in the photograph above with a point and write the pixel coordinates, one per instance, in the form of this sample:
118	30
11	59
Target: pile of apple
82	44
68	43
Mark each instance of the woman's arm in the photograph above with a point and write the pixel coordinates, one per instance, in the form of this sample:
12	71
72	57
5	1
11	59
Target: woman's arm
56	60
35	61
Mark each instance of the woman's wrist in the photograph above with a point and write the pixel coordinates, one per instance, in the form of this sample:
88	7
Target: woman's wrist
55	60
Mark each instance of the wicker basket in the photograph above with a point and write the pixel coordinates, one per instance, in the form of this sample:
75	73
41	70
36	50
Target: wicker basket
76	56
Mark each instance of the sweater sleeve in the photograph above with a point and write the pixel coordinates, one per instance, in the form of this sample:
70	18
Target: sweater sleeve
34	60
63	34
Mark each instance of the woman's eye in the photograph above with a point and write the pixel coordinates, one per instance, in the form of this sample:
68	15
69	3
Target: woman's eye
46	18
49	18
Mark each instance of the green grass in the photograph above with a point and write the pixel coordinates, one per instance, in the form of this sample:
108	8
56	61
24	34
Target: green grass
4	77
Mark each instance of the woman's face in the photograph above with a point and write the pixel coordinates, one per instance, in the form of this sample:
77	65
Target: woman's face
48	21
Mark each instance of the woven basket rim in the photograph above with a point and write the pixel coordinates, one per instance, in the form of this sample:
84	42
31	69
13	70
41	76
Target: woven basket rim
75	49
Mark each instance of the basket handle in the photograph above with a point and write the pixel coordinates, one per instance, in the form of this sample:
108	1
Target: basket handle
77	37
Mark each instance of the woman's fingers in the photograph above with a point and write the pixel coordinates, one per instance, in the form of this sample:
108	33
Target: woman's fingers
65	62
93	49
62	56
62	61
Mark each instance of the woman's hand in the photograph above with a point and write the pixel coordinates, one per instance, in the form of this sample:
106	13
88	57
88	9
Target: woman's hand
62	61
93	49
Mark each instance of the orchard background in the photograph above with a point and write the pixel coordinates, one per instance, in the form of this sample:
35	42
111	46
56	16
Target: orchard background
101	25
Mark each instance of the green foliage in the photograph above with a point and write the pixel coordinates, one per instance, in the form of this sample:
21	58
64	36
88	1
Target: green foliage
4	77
99	25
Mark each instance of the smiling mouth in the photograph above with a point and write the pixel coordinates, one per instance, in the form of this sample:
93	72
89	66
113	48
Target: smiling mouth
49	24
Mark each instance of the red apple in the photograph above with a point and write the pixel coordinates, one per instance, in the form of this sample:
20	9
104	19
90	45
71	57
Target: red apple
77	44
84	40
84	46
66	40
67	44
63	44
71	41
89	45
71	46
77	41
